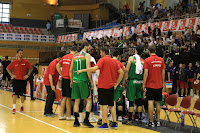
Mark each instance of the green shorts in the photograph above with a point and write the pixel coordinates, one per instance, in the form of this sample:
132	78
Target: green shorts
134	90
80	90
118	96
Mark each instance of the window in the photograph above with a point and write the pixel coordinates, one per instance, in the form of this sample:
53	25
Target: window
4	13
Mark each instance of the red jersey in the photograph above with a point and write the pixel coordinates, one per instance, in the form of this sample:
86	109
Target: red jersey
108	72
19	68
120	65
66	63
53	71
155	66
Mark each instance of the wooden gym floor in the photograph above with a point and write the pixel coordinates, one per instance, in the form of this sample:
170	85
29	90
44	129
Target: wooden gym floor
33	121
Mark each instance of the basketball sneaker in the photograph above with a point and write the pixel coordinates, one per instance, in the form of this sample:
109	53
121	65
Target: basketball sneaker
114	125
99	121
104	126
14	111
87	124
72	118
62	118
93	119
76	124
150	124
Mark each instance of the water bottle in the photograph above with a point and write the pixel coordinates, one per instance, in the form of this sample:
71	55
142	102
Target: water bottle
182	120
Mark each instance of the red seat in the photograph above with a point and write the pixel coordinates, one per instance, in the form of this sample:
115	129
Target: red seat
40	30
172	101
185	103
35	29
32	32
2	27
5	25
26	29
27	32
21	28
1	24
42	33
16	28
10	25
31	29
12	28
4	30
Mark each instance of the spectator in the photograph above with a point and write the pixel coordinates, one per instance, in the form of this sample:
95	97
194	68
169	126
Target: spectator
5	63
156	32
48	25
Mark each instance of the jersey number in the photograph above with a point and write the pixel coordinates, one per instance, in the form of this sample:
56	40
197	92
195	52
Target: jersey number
78	61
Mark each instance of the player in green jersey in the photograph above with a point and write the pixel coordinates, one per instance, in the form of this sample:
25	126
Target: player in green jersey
134	74
79	83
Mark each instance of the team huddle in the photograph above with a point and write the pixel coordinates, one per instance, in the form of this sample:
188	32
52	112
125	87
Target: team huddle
141	81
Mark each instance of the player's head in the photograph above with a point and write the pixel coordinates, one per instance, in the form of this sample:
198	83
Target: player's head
60	55
190	65
73	49
6	57
85	46
104	51
139	49
180	65
20	53
170	64
152	50
116	53
198	63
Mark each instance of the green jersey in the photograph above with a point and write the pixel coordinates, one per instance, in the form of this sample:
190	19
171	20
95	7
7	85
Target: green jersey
132	75
79	62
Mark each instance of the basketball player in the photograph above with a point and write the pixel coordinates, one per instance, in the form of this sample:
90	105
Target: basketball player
79	83
107	83
19	68
65	62
134	73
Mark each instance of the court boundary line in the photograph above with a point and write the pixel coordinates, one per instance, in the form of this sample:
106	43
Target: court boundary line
37	119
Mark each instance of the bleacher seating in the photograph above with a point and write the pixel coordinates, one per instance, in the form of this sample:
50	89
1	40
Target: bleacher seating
8	28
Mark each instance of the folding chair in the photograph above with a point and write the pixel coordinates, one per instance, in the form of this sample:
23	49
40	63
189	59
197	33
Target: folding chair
172	101
185	103
191	114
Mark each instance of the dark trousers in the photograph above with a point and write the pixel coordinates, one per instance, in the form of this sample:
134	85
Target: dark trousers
49	101
31	86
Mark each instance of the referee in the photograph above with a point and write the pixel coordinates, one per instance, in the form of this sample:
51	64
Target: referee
154	81
19	68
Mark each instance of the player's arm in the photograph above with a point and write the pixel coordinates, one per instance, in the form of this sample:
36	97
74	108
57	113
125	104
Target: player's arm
146	71
71	72
88	58
119	79
163	78
127	69
198	75
58	67
168	74
51	82
91	69
12	75
30	71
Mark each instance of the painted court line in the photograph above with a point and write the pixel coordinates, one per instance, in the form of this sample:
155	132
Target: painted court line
37	119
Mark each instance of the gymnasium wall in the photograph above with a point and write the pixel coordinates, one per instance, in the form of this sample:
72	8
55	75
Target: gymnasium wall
76	2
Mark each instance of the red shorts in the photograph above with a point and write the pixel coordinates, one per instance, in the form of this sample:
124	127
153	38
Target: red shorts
183	84
197	86
191	81
178	83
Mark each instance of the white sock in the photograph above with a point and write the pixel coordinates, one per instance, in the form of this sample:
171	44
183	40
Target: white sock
91	115
22	104
14	106
100	114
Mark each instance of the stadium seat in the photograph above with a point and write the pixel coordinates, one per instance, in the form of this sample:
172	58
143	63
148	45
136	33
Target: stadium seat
1	24
5	25
27	32
21	28
4	31
35	29
9	31
32	32
40	30
2	27
13	31
26	29
31	29
16	28
10	25
12	28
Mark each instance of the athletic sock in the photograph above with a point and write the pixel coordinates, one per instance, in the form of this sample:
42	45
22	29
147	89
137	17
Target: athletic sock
91	115
130	116
22	104
14	106
87	115
100	115
76	116
140	115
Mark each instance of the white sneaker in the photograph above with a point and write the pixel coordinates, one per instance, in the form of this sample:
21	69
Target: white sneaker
72	118
81	119
119	118
62	118
93	120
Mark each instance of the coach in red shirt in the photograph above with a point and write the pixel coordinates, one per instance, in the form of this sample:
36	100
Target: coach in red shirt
50	81
19	68
65	62
154	81
107	83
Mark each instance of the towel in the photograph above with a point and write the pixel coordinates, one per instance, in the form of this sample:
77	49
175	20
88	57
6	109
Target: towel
139	66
